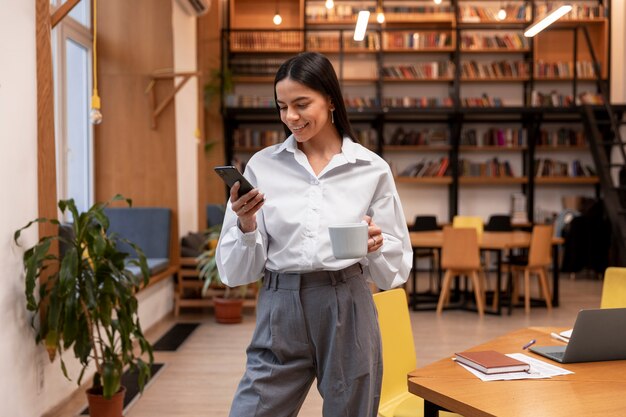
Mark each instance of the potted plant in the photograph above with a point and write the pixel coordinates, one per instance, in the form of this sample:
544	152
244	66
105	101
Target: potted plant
229	306
88	302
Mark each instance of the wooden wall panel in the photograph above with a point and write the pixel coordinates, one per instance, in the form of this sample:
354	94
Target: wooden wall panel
135	38
211	188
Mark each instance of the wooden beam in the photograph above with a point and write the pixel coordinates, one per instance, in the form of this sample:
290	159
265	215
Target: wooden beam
62	11
46	158
157	109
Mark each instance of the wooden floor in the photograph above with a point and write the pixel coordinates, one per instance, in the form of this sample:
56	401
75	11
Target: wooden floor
201	377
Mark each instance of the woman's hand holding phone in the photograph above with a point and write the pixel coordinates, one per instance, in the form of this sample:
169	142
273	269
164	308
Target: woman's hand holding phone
246	206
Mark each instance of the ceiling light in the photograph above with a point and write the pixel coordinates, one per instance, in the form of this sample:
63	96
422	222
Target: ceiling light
277	17
547	20
361	25
501	14
330	4
437	1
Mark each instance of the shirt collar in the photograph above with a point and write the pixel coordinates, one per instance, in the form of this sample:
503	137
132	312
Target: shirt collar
351	150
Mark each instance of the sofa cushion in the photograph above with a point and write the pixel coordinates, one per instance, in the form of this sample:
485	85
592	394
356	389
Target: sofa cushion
147	227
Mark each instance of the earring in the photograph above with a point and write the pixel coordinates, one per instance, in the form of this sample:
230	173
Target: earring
332	116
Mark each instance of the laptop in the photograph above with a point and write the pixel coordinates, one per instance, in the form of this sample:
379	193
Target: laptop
598	335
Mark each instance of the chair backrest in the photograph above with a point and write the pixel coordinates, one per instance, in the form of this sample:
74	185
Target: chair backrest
499	223
460	248
469	221
397	342
424	224
614	288
540	251
214	214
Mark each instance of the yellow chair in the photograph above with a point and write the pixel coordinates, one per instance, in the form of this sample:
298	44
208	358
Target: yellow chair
398	357
460	256
539	259
473	222
614	288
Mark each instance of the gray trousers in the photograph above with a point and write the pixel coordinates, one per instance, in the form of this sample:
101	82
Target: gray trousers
316	325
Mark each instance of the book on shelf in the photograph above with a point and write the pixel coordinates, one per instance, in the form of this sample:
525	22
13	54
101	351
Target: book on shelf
491	362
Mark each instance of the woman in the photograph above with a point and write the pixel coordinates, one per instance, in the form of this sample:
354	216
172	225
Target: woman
315	314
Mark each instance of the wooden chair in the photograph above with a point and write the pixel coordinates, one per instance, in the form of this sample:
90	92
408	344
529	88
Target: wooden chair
460	256
539	258
614	288
398	357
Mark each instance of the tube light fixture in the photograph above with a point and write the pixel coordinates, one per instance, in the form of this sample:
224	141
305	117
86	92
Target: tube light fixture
547	20
361	25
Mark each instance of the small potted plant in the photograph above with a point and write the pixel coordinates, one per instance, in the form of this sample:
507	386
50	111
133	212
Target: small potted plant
229	306
88	302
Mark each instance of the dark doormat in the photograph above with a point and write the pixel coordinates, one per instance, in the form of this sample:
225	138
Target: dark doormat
129	380
174	337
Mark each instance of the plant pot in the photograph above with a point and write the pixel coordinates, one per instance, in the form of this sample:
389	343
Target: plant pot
228	310
102	407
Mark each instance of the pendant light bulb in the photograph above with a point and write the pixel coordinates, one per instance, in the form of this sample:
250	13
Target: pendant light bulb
95	115
380	17
277	19
437	1
501	14
330	4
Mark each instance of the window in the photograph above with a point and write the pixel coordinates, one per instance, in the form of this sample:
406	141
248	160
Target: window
72	56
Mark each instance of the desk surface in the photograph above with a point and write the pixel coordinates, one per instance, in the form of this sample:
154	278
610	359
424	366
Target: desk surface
489	240
595	388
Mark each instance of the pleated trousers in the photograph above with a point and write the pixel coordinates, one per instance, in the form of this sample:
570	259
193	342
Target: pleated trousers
320	325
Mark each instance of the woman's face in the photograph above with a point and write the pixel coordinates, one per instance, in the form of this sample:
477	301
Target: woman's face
306	112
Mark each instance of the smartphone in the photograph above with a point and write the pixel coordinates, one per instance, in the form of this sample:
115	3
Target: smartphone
231	175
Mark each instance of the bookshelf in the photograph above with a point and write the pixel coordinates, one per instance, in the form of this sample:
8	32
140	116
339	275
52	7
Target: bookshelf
437	72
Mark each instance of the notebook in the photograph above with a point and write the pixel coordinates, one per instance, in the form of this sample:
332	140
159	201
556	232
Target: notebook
598	335
491	362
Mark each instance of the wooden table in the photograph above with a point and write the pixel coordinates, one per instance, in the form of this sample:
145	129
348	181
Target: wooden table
495	241
595	388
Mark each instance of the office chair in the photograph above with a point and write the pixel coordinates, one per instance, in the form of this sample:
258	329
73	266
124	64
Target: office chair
539	258
424	224
499	223
614	288
398	357
460	256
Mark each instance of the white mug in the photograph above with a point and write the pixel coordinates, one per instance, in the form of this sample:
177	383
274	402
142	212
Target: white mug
349	240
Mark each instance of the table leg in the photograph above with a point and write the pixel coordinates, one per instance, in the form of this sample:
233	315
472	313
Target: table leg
555	275
431	409
499	282
413	296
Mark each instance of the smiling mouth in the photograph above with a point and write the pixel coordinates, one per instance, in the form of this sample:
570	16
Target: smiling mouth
298	128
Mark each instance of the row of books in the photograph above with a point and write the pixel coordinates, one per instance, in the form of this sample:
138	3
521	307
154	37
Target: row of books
255	66
265	40
366	137
579	10
514	13
360	102
563	69
417	40
473	69
343	12
412	102
547	167
483	101
257	138
331	41
561	137
504	137
422	70
425	137
555	99
427	168
490	168
508	41
250	101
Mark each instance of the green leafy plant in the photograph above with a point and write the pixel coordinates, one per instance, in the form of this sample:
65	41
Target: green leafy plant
88	302
207	267
219	80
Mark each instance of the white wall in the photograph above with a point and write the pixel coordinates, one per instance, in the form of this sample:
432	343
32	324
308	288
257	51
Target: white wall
187	145
18	173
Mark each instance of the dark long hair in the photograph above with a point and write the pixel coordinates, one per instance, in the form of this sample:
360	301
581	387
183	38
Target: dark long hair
315	71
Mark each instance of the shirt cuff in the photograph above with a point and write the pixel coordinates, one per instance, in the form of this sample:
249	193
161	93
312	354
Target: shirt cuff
248	239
